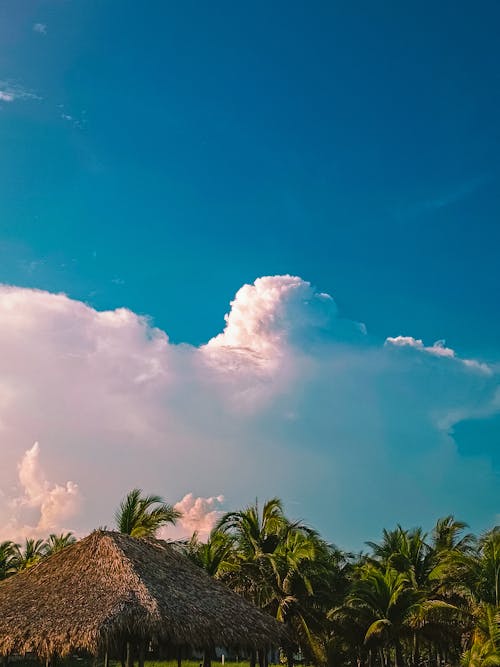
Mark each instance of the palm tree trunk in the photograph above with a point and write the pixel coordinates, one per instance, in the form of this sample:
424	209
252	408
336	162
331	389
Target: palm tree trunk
207	662
289	657
130	655
416	651
141	653
399	662
252	658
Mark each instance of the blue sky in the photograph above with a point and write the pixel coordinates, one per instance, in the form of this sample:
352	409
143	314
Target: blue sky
160	157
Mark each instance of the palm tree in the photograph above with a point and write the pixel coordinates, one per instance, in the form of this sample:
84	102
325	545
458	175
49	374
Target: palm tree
256	532
436	621
392	543
59	542
446	536
407	552
31	554
142	516
8	558
476	574
282	567
485	648
385	604
214	555
488	570
307	577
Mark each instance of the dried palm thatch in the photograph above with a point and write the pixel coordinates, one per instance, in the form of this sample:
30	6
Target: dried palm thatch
109	588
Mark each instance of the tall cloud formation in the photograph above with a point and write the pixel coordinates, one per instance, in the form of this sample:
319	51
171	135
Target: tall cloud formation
49	504
290	399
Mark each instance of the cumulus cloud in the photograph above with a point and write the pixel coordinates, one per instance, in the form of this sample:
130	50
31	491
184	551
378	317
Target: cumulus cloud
52	504
265	316
277	312
290	399
199	515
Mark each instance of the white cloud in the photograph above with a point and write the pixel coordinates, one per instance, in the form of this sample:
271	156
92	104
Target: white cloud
53	504
41	28
277	312
289	400
198	515
10	92
438	349
76	122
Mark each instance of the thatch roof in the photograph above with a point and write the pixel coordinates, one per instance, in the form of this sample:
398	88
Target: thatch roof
110	588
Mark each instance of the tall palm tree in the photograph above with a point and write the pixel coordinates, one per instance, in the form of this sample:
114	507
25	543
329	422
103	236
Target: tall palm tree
281	566
59	542
142	516
307	577
436	621
386	604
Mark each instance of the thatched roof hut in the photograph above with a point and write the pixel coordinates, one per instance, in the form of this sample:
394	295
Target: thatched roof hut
109	589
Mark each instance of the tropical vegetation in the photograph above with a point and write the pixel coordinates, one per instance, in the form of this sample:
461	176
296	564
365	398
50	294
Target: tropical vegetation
411	599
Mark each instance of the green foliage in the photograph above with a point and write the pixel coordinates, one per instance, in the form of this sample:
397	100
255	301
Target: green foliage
485	647
59	542
142	516
8	558
416	599
32	552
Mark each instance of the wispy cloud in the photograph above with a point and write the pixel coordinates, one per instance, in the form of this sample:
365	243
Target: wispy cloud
76	121
30	266
447	197
456	194
41	28
10	92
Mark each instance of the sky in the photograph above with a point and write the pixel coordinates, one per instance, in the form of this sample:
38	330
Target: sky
247	250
